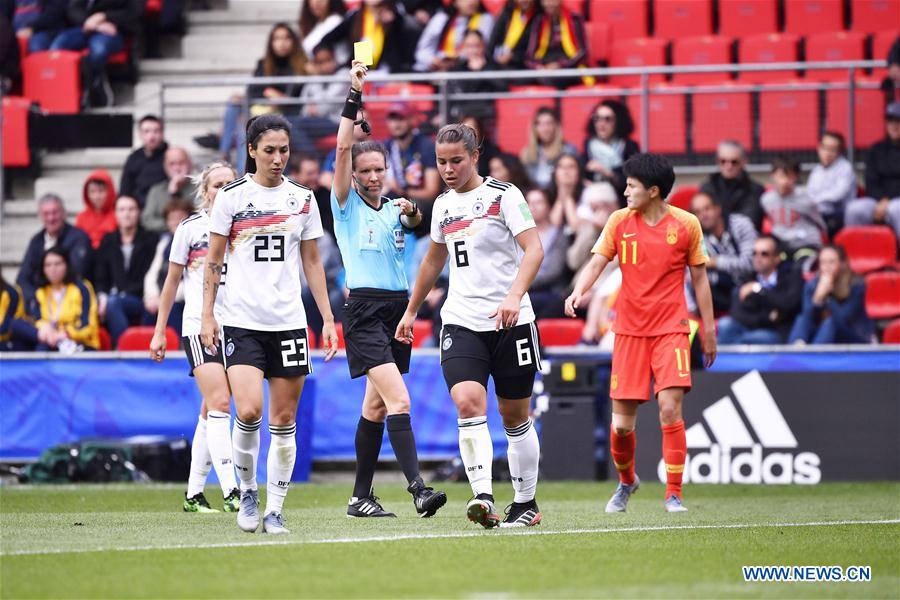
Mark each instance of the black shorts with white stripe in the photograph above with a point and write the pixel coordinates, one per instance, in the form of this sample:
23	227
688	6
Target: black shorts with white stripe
510	356
198	355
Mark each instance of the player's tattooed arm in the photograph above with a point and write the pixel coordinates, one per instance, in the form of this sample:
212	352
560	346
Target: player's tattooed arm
212	277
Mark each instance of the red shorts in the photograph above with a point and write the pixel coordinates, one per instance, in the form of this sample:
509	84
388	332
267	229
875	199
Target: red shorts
635	359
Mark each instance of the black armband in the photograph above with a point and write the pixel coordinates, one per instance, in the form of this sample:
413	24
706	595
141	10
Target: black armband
352	104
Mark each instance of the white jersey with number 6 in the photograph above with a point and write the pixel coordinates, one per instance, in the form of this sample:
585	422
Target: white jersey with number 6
264	227
480	229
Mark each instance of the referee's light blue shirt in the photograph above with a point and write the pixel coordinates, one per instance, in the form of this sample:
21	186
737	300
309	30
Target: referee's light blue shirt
372	243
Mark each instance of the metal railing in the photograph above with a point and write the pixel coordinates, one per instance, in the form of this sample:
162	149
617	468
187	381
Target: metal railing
444	95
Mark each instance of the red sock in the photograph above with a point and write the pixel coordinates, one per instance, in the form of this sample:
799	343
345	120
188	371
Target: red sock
674	447
622	448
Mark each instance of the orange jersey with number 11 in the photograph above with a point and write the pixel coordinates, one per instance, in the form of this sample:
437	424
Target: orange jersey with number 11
653	259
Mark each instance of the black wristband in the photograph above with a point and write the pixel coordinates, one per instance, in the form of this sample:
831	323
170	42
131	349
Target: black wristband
354	96
350	109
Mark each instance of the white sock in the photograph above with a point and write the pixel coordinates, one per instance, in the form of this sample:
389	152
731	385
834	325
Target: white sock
477	451
245	450
201	462
282	454
524	455
218	439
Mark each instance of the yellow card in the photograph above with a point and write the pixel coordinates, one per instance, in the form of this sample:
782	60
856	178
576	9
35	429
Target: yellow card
362	51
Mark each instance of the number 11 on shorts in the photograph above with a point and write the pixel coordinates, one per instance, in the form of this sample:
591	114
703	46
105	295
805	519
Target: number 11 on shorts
684	364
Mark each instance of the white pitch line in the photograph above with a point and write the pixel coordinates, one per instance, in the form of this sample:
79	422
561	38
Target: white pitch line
440	536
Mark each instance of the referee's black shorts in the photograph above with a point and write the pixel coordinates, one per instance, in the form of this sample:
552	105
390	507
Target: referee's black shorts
371	317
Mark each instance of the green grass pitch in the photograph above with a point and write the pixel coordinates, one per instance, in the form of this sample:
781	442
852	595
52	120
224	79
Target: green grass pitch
134	542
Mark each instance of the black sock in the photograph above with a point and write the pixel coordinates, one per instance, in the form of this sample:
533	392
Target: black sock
368	445
404	443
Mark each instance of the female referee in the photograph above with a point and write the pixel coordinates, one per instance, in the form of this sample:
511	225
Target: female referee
270	225
488	320
370	231
211	446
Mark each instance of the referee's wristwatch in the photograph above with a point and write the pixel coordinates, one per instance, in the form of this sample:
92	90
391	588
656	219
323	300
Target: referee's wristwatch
415	207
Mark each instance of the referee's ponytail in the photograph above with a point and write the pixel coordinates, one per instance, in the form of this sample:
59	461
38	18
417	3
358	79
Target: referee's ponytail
256	127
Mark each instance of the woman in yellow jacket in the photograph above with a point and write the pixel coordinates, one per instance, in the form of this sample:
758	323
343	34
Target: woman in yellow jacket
65	308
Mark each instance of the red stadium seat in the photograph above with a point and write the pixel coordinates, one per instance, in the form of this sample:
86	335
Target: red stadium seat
703	50
138	338
881	45
668	131
868	110
560	332
627	20
105	340
675	19
597	36
576	111
681	198
835	46
804	17
352	4
883	295
768	48
514	116
641	52
53	80
747	17
874	15
423	330
495	7
892	333
869	247
719	116
16	152
788	120
23	46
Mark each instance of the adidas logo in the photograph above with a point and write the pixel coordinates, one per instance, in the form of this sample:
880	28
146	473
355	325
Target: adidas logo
250	206
714	459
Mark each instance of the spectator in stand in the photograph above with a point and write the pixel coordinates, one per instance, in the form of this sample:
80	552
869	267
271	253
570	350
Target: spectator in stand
144	166
832	183
487	149
796	221
318	18
304	169
99	216
566	188
15	329
834	304
326	176
891	83
508	168
178	185
882	179
421	10
729	242
320	111
10	61
608	144
509	39
545	146
412	170
176	211
557	42
123	260
284	57
598	201
393	34
65	308
473	58
546	291
443	36
38	21
100	28
732	187
55	234
763	307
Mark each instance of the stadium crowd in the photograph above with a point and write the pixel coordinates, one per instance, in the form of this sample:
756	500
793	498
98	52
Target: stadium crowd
777	269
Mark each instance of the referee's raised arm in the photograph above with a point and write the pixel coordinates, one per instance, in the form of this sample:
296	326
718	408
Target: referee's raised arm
343	168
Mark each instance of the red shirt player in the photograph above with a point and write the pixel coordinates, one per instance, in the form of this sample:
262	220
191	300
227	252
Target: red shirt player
654	243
